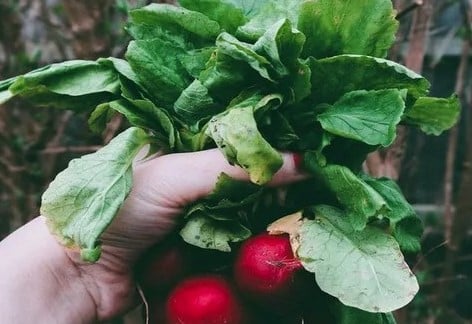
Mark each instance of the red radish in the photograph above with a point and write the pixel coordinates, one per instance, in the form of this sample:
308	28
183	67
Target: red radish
266	271
204	299
162	267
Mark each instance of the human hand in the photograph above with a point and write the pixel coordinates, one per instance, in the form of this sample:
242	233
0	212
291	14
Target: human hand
162	187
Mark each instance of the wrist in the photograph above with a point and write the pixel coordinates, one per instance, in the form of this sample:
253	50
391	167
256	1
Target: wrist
54	284
36	273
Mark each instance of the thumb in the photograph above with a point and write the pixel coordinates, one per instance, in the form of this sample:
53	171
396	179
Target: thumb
182	178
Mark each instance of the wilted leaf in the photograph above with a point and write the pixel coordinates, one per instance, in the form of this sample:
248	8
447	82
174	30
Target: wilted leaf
208	233
84	198
236	134
364	269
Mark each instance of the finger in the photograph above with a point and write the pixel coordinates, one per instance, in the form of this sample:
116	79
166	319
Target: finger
186	177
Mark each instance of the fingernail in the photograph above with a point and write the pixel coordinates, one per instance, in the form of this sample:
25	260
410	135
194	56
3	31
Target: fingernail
298	160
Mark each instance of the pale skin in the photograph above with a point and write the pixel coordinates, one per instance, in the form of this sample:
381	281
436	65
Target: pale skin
43	282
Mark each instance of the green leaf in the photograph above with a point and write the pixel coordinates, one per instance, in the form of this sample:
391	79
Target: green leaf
131	90
137	109
334	27
240	51
76	84
171	49
229	189
281	45
434	115
379	279
235	133
5	84
100	117
388	318
351	315
195	103
367	116
334	76
179	26
188	140
71	78
267	13
407	227
250	8
279	132
84	198
159	69
130	84
140	113
231	200
195	61
155	119
302	118
360	201
227	14
225	77
399	207
121	66
300	82
5	95
273	61
335	152
208	233
408	233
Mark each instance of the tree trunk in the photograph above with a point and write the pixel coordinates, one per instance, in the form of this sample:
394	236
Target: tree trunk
388	162
456	222
463	213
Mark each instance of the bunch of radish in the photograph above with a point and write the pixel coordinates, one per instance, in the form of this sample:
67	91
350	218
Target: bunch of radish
260	282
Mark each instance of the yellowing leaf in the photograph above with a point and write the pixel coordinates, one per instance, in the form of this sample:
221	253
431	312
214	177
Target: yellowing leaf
84	198
290	224
364	269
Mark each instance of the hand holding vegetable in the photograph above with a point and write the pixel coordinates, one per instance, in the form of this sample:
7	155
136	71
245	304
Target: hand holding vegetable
250	78
40	273
163	187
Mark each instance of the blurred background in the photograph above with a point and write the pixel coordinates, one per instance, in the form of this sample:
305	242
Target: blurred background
435	173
